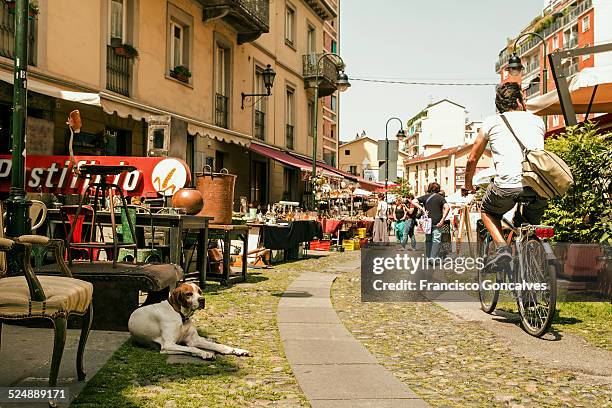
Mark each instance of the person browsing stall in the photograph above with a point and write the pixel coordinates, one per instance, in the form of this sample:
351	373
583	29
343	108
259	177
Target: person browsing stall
436	208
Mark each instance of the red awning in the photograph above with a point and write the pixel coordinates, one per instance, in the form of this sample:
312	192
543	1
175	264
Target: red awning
363	183
287	159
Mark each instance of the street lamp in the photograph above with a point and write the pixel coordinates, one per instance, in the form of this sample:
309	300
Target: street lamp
268	75
342	84
17	207
401	135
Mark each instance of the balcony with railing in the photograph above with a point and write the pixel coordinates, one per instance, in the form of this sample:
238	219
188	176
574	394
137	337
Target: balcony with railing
260	125
118	69
324	8
7	35
570	18
327	73
250	18
221	110
289	137
533	89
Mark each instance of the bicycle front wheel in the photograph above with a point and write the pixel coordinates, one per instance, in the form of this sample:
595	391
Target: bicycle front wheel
538	297
487	276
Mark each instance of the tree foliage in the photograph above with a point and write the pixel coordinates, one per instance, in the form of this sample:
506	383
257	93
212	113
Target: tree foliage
402	189
584	213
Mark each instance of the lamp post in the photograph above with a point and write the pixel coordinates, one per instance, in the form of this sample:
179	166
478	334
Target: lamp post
400	136
17	207
342	84
515	65
268	75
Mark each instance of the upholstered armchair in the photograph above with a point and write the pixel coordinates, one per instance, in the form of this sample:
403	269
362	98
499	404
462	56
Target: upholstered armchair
25	296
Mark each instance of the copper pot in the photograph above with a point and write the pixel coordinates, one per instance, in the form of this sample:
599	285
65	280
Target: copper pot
188	198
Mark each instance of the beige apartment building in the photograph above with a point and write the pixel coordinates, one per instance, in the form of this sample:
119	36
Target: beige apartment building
360	158
145	105
446	167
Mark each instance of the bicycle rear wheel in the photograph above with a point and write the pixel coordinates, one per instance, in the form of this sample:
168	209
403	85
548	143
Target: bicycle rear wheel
536	305
488	298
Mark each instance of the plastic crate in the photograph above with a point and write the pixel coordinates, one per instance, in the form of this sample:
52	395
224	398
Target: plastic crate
320	245
361	232
348	245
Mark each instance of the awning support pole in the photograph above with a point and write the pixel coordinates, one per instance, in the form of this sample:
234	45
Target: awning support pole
18	208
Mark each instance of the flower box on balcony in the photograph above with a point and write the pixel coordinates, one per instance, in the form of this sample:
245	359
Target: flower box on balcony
126	51
181	73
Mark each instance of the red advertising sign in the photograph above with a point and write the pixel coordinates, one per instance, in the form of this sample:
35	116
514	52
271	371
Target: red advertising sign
53	174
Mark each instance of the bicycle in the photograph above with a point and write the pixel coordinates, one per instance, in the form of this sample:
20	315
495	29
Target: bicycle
533	262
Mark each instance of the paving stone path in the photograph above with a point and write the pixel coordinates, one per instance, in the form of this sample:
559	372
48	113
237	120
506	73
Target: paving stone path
331	366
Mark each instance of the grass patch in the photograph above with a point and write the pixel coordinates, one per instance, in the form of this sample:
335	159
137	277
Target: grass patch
243	315
590	320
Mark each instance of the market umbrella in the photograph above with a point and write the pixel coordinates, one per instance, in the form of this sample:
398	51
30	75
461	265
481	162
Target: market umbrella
595	83
359	192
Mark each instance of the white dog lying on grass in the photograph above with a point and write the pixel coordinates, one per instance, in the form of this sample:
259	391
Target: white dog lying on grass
168	325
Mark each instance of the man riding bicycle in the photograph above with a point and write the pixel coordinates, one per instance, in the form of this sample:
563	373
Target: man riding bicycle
508	157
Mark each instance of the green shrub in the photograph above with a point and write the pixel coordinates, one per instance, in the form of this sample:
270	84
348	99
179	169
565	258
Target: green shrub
584	213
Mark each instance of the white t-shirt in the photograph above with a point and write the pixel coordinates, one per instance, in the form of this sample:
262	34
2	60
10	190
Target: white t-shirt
507	153
381	210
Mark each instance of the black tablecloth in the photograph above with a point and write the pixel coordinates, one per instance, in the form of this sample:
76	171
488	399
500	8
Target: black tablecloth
278	237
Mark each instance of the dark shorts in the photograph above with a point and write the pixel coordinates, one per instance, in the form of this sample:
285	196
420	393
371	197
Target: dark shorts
497	201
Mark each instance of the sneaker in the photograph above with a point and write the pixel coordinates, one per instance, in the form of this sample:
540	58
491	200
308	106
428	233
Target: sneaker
501	259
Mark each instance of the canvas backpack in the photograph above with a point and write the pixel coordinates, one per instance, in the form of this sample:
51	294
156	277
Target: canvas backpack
545	172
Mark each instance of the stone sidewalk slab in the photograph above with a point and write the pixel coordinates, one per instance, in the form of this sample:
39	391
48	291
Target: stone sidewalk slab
313	331
327	351
307	292
350	382
370	403
305	302
331	366
288	314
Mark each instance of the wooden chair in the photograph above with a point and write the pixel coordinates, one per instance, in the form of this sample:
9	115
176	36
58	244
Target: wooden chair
25	296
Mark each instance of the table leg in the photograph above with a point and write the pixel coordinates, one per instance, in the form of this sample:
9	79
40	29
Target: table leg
226	257
202	255
175	247
245	251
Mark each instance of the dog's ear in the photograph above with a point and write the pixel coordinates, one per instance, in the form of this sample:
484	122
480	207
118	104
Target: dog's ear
177	298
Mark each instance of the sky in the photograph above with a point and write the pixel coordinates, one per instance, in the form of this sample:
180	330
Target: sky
422	40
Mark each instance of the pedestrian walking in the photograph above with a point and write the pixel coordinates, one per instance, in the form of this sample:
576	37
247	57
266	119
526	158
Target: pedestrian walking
381	233
435	207
446	247
400	214
410	223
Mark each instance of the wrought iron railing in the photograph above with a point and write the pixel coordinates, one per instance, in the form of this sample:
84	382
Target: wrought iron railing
221	112
553	28
117	72
533	89
328	69
289	137
7	35
260	125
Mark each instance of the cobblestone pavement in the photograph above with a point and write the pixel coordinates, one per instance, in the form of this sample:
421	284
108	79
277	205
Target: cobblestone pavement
452	363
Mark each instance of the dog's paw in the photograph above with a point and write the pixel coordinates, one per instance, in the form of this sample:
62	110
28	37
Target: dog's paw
208	355
240	352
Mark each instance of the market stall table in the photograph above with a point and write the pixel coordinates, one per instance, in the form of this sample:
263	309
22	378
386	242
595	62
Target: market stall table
288	237
330	225
225	233
177	225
